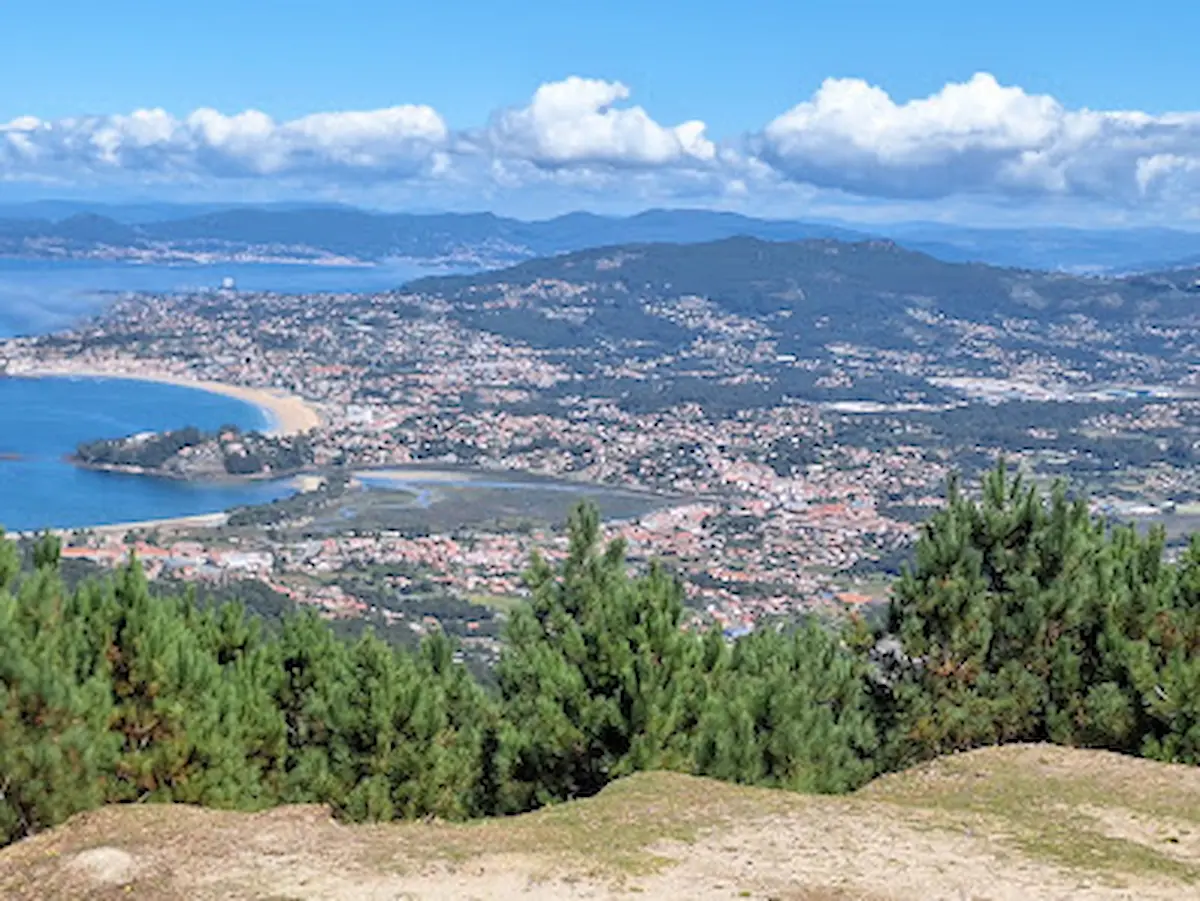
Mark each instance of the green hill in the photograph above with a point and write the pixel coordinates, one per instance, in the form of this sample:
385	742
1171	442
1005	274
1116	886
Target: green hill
767	321
824	277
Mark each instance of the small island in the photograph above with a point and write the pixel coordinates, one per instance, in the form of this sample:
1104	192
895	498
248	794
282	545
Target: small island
190	453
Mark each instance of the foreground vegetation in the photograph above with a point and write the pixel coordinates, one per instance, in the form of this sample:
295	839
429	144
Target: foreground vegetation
1022	620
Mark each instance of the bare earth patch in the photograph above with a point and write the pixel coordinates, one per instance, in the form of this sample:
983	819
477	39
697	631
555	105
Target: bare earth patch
1178	839
998	825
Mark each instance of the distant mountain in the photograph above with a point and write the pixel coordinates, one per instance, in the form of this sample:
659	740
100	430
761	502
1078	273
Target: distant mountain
479	240
820	319
807	294
858	287
577	231
132	213
1071	249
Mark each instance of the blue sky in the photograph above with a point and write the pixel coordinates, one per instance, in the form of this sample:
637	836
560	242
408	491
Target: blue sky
1033	141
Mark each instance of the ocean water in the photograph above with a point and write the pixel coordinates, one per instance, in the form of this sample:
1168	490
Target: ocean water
43	420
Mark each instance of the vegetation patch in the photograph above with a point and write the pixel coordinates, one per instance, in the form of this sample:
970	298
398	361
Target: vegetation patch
1022	619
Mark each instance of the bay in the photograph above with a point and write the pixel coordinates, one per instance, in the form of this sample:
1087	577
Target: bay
43	420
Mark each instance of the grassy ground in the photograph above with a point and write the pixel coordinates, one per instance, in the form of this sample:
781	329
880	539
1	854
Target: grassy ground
445	507
501	603
1015	823
1113	816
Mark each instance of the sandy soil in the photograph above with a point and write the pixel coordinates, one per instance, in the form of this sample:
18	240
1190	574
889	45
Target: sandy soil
289	414
694	839
300	853
307	483
199	521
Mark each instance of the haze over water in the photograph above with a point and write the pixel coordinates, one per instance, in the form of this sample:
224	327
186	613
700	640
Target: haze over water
43	295
43	420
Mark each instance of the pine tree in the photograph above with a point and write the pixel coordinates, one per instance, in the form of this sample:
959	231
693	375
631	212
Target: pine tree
180	716
311	692
1025	619
54	746
408	744
788	711
1164	667
597	677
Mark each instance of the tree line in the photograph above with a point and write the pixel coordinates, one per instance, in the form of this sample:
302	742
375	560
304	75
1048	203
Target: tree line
1022	619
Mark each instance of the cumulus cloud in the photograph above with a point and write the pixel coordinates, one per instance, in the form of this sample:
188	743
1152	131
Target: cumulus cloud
977	141
399	141
977	137
574	130
575	121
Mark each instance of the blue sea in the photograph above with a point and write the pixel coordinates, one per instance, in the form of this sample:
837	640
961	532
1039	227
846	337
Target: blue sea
43	420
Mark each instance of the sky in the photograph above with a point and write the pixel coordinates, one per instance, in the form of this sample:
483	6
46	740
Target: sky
1051	111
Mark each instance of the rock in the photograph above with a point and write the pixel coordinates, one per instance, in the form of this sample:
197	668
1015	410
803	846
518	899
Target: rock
108	866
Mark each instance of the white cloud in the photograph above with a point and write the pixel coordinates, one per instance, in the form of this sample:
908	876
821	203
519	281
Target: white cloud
849	146
977	137
573	129
399	141
576	122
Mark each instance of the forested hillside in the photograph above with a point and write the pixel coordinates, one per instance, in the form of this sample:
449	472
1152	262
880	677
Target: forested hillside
741	323
858	290
1022	620
192	453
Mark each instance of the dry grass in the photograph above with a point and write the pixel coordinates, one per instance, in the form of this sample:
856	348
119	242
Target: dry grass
1011	823
1086	809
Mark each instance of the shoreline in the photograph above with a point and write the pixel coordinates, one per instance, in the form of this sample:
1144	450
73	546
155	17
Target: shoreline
187	521
288	414
301	482
216	479
194	521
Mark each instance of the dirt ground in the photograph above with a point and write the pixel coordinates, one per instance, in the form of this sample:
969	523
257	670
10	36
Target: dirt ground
1012	824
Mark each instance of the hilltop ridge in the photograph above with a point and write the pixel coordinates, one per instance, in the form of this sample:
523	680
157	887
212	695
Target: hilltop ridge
1016	822
819	319
315	232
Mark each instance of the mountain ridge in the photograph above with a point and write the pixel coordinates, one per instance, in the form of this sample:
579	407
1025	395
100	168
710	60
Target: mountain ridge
822	320
746	275
61	228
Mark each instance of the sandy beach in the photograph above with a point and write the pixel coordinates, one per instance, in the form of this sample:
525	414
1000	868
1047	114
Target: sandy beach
195	521
198	521
289	414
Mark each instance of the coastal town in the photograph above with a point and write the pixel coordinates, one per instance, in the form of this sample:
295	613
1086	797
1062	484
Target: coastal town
411	408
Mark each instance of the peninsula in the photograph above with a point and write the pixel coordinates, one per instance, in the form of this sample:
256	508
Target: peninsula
189	453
